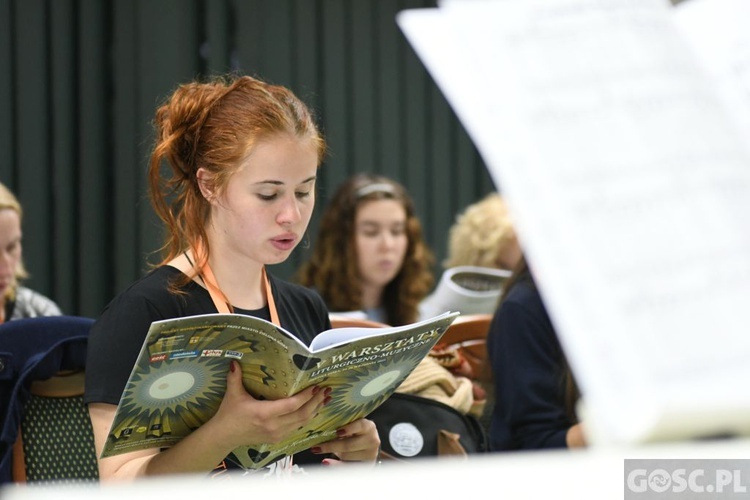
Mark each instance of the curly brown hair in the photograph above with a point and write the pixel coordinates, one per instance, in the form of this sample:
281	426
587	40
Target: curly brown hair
332	269
214	126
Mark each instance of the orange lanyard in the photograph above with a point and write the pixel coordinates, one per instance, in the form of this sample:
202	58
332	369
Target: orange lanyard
224	306
222	303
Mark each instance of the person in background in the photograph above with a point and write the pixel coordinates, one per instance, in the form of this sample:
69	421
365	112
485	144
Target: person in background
237	195
17	301
535	392
482	251
483	235
370	256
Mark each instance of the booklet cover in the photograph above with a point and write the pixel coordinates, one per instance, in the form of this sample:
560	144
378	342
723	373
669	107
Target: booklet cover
179	379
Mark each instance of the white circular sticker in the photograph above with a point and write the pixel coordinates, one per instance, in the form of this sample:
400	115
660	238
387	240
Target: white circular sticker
405	439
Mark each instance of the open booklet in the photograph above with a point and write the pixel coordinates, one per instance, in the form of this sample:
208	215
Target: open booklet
617	132
466	289
179	379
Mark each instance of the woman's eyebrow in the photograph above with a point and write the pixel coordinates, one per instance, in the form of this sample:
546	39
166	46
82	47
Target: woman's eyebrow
280	183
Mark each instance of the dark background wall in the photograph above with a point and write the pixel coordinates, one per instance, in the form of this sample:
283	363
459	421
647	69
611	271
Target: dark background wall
80	80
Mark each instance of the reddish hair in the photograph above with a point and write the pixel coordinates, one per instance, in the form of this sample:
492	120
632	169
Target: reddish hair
214	126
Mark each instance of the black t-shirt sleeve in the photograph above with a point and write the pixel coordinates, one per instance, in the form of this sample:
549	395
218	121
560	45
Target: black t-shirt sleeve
117	336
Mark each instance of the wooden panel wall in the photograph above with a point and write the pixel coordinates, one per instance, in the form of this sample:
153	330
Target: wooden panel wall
80	80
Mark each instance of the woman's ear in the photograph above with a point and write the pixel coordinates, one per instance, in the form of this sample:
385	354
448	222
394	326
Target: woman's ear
205	184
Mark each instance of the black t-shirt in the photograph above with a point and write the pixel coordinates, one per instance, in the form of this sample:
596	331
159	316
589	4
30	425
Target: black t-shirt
117	336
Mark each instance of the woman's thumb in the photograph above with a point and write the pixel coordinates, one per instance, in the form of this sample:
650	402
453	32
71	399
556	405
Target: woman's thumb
234	376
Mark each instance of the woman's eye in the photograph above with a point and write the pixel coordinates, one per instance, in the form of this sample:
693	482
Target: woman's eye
267	197
302	194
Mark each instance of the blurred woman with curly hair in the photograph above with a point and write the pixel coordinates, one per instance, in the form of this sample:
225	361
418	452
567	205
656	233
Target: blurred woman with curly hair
370	257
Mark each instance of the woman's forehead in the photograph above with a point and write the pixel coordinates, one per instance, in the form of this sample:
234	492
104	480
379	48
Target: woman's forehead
381	209
281	160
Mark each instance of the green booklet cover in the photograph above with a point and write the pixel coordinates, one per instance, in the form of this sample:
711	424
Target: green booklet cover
179	379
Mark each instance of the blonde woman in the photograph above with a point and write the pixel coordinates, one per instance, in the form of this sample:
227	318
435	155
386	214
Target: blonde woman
482	251
483	236
17	301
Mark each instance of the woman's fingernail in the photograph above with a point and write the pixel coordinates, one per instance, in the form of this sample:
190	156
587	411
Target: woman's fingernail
327	391
316	449
327	400
231	366
316	390
341	433
325	462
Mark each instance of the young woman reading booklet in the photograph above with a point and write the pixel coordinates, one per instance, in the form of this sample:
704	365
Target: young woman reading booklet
232	176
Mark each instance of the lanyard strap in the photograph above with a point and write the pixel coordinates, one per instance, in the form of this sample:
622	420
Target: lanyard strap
220	300
224	306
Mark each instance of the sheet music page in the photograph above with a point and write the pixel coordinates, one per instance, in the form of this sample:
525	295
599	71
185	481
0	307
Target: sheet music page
719	33
629	186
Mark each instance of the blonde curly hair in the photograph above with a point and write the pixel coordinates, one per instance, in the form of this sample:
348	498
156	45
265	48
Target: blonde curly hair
481	234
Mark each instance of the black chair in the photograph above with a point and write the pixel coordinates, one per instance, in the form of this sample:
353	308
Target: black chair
46	434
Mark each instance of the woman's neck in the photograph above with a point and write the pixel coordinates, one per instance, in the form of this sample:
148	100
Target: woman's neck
239	279
372	296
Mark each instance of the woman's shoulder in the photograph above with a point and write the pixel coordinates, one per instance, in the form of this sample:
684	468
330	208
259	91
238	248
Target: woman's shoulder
295	291
153	290
149	299
523	292
523	304
154	283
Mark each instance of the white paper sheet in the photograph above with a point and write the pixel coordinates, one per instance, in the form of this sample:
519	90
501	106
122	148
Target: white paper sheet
630	187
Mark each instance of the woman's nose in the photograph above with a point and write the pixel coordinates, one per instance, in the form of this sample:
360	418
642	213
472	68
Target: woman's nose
386	239
290	212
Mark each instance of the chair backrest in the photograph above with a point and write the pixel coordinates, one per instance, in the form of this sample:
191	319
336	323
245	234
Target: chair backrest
468	335
56	442
46	432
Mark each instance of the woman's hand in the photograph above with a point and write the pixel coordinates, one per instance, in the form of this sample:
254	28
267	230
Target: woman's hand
243	419
240	419
575	437
356	442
